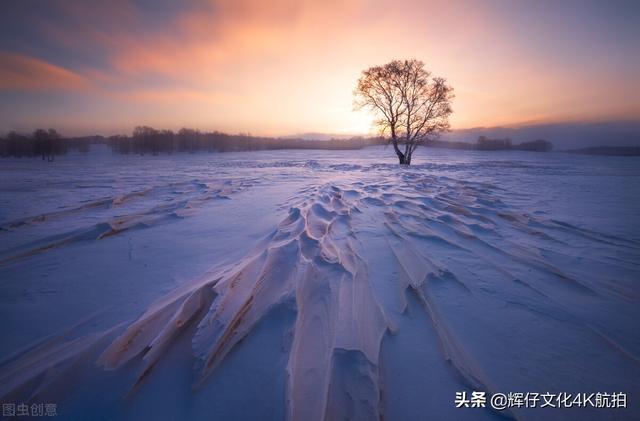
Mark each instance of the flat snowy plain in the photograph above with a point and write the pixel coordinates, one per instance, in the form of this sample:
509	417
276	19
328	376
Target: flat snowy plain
312	285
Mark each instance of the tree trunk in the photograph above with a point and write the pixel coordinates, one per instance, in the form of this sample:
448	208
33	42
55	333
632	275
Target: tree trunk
401	156
409	154
404	158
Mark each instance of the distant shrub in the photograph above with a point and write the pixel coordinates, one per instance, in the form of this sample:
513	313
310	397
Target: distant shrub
538	145
485	144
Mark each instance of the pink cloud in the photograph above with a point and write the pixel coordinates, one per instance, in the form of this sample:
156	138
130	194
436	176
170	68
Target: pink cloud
25	73
289	65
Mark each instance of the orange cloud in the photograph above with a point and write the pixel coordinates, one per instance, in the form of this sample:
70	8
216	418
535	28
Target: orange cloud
289	66
24	73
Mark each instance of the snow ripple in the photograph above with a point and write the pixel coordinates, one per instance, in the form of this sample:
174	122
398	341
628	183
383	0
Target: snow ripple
492	281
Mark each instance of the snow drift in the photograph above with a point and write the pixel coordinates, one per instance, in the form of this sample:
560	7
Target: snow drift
404	287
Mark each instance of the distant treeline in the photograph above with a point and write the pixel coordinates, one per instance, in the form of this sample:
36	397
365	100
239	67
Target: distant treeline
147	140
486	144
48	143
41	143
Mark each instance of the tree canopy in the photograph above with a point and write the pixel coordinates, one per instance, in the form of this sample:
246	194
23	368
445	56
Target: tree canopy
411	106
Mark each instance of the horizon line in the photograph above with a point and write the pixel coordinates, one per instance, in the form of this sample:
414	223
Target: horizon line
333	134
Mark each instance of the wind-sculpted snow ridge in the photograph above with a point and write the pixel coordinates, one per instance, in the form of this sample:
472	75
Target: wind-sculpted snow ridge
119	213
29	372
310	263
353	257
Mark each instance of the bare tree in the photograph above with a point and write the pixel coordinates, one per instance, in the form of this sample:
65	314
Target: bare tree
410	105
47	143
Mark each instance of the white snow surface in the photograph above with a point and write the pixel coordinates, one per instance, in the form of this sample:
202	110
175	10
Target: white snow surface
310	285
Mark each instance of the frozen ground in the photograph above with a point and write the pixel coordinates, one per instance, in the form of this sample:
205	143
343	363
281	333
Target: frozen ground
318	285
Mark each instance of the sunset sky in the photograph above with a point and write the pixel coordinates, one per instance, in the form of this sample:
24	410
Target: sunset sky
285	67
